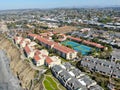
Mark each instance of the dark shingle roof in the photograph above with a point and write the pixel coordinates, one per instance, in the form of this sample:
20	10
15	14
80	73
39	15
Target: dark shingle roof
96	87
76	84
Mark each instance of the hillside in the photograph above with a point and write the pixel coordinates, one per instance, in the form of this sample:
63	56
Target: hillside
19	67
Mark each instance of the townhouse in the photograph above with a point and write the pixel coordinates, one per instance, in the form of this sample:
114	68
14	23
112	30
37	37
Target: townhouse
59	49
86	42
115	55
24	42
51	61
109	68
76	73
17	40
62	37
28	51
95	87
87	81
39	58
73	79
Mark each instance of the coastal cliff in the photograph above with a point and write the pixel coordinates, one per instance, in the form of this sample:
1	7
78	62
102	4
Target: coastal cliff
20	68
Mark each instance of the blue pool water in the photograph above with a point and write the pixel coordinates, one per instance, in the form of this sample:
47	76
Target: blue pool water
83	49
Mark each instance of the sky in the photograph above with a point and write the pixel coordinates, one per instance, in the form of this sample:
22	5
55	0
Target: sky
43	4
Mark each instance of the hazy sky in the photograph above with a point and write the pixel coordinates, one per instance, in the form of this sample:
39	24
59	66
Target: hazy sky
18	4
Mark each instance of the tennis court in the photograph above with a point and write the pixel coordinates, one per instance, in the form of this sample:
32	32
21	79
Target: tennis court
83	49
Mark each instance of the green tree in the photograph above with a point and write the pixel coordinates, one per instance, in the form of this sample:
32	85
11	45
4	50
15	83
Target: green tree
79	55
35	31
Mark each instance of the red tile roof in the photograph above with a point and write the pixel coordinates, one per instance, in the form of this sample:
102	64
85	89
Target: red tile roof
63	48
37	52
46	41
48	60
93	44
37	57
87	42
27	49
32	35
21	41
57	46
17	38
73	38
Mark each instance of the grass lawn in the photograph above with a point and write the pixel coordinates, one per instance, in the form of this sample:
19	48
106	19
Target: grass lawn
63	60
50	84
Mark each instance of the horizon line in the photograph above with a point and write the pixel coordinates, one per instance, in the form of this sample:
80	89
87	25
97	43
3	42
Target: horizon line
95	6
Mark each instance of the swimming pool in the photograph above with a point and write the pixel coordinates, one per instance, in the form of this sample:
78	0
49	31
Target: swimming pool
83	49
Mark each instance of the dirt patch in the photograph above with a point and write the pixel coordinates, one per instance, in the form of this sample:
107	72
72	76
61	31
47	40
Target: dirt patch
65	29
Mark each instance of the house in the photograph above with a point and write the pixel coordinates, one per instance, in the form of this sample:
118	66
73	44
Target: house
116	73
51	61
118	27
96	87
47	35
85	29
76	73
80	21
52	25
29	49
21	42
93	44
103	70
67	66
74	84
17	40
44	52
74	39
72	78
29	52
64	77
39	58
102	66
64	51
56	70
86	42
61	50
24	42
87	81
32	44
115	55
110	26
117	24
62	37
